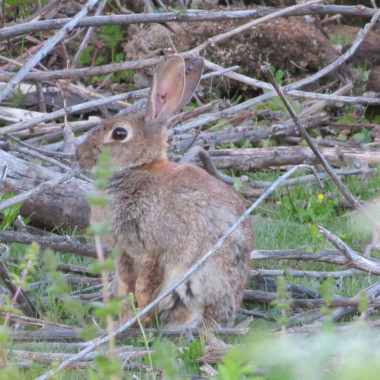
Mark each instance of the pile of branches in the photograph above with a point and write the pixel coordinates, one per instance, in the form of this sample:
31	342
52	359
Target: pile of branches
53	190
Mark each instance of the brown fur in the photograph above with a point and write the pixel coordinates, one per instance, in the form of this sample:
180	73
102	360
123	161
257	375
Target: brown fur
165	216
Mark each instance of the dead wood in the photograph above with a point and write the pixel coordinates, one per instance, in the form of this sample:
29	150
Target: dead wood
340	185
305	273
259	158
56	243
372	293
259	296
188	16
47	358
328	256
353	258
198	153
45	49
296	291
237	134
64	205
73	335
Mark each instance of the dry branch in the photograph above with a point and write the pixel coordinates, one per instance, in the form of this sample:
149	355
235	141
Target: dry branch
68	111
344	190
74	335
258	158
42	187
56	243
372	292
327	256
185	16
304	273
240	29
259	296
353	258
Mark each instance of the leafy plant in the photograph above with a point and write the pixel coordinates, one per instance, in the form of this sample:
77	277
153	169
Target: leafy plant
235	366
10	214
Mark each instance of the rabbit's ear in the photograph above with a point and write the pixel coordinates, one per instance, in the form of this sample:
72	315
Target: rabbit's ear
193	74
167	88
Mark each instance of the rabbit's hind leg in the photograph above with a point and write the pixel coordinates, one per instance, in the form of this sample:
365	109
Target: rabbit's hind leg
181	309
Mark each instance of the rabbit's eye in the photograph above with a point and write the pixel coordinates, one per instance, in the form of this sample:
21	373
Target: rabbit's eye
119	133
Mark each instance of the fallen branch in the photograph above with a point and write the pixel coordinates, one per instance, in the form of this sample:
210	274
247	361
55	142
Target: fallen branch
353	258
322	275
240	29
185	16
59	334
327	256
259	296
258	158
56	243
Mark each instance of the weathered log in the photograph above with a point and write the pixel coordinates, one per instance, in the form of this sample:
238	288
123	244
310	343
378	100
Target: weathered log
259	158
65	205
53	333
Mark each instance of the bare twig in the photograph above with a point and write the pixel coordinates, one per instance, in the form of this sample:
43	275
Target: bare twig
327	256
49	45
261	296
296	93
372	292
354	259
223	36
186	16
344	190
86	38
69	110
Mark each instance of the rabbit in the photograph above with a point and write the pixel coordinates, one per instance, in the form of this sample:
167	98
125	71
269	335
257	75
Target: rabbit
164	216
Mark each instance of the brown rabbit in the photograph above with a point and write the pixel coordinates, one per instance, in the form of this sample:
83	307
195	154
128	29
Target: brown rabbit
165	216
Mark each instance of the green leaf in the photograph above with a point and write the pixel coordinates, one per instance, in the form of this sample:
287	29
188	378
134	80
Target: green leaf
327	290
97	267
363	302
108	367
164	357
88	333
113	308
237	183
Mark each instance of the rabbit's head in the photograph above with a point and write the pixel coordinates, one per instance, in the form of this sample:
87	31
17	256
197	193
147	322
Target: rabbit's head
137	139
